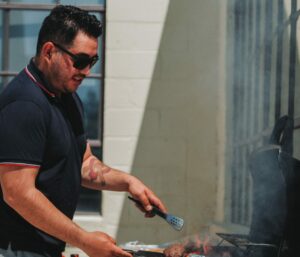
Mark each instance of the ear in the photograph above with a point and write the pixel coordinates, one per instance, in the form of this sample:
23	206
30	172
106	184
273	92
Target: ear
47	50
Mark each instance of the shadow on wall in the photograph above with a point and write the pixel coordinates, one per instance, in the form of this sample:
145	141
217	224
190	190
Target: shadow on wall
176	153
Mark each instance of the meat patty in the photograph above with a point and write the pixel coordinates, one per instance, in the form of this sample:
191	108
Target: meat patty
175	250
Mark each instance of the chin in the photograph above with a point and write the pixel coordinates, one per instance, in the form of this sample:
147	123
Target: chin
72	88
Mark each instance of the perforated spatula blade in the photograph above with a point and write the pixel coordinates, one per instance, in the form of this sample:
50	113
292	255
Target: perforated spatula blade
176	222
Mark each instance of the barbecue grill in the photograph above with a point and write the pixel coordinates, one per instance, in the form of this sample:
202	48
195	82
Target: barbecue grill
276	206
275	217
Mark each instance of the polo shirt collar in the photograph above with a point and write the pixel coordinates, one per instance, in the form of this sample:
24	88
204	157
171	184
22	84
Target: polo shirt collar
38	77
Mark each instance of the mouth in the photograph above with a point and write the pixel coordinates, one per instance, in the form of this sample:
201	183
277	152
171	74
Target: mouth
78	78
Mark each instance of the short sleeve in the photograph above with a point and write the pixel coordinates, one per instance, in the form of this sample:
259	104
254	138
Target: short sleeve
22	134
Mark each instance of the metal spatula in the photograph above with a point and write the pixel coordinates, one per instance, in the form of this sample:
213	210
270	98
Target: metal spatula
174	221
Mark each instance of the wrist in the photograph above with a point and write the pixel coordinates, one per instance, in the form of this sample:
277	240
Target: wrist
79	237
130	180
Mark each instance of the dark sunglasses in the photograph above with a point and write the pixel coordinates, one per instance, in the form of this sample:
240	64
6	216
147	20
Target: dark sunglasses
80	61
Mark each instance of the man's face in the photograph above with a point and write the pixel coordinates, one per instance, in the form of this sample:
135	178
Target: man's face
63	75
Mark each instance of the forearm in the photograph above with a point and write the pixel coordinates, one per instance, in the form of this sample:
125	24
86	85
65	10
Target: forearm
46	216
97	175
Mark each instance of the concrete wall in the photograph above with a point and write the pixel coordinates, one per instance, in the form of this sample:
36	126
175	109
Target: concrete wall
164	112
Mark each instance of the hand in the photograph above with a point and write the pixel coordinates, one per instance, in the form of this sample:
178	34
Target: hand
98	244
147	198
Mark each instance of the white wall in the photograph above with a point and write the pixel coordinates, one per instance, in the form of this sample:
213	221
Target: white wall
134	30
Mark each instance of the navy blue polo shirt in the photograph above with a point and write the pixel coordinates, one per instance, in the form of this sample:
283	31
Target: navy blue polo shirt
38	129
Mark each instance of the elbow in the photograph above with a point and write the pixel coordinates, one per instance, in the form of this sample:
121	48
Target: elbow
14	197
9	196
18	186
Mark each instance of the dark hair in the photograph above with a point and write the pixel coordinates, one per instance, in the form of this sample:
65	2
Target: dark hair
64	22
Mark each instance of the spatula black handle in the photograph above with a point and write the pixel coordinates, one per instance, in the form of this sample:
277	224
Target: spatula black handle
154	210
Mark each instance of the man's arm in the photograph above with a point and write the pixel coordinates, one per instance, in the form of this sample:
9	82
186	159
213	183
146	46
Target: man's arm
20	193
96	175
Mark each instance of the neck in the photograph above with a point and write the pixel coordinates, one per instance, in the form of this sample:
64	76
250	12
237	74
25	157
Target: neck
44	69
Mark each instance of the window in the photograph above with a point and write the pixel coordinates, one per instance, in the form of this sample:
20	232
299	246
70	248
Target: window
263	88
20	22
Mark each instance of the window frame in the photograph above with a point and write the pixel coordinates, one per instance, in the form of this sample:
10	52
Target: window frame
257	68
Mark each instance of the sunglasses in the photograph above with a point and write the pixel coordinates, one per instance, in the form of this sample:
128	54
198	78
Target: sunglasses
80	61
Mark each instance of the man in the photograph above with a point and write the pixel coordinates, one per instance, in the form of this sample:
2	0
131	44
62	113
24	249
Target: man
44	155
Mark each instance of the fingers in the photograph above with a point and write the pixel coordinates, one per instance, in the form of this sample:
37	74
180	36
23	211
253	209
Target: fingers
118	252
140	207
146	197
145	201
154	200
149	215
